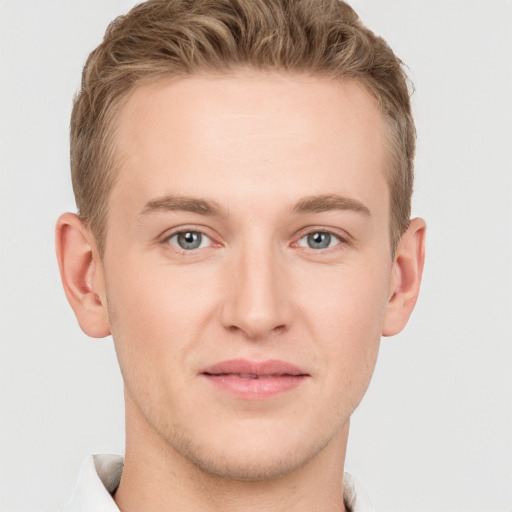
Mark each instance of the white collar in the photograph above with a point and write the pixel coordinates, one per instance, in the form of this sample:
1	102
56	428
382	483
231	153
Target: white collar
100	475
98	479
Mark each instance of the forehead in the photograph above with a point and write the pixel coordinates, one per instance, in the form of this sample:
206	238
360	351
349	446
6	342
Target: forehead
240	135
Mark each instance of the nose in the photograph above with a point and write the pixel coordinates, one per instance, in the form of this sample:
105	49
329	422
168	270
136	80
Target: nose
256	302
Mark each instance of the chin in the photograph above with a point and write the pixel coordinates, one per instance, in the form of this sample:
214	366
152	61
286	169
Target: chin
251	458
247	467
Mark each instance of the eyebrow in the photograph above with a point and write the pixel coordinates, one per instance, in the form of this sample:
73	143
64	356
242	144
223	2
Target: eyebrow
328	202
187	204
208	207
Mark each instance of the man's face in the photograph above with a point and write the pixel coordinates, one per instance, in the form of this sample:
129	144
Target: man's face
247	265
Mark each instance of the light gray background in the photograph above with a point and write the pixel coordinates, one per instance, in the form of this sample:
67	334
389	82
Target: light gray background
434	431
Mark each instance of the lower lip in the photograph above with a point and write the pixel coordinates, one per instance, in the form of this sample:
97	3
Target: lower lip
256	389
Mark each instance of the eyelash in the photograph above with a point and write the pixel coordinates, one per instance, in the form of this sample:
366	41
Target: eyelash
342	241
167	240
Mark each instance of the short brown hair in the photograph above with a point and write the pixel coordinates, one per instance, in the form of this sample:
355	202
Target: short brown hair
162	38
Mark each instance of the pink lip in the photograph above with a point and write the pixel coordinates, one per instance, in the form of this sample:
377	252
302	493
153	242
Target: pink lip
255	380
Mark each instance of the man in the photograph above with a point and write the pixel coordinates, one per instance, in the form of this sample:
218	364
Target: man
243	176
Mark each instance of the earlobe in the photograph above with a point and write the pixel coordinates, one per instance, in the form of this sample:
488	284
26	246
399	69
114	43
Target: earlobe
82	275
406	279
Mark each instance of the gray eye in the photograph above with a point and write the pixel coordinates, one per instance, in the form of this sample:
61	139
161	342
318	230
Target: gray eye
189	240
319	240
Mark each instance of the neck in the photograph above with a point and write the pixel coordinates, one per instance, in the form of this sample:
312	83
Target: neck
158	478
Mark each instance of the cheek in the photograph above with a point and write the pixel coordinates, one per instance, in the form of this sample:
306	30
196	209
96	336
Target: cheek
344	311
348	301
148	295
155	318
157	312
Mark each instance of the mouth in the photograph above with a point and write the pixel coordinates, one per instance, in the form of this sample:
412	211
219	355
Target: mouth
255	380
246	376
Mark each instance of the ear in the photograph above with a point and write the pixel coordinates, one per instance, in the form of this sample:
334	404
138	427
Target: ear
81	272
406	278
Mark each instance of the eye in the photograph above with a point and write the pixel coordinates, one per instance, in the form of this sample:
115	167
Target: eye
319	240
189	240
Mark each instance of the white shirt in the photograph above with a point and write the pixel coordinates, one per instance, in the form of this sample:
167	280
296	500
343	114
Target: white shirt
100	475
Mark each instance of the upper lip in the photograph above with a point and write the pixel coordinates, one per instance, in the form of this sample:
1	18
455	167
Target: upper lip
271	367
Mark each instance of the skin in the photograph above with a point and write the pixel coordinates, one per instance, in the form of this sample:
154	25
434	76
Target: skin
255	144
